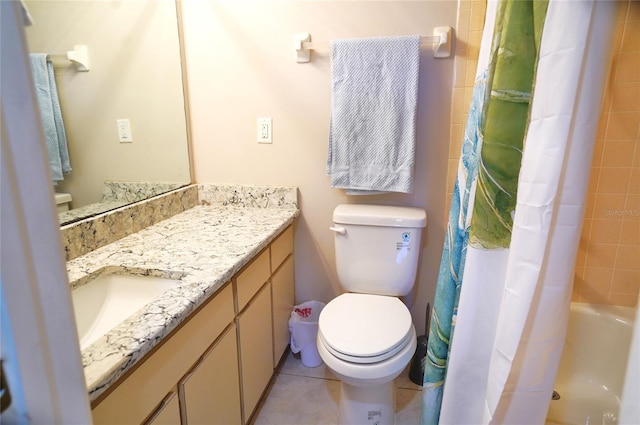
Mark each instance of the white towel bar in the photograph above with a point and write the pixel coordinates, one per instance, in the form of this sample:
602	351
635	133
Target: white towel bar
79	56
440	41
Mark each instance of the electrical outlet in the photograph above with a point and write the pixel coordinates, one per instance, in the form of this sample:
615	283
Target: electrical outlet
124	131
265	130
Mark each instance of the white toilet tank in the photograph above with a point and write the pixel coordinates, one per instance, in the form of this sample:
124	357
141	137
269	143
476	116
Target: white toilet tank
377	247
63	201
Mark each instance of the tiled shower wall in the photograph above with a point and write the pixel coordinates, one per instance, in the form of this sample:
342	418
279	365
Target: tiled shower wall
608	263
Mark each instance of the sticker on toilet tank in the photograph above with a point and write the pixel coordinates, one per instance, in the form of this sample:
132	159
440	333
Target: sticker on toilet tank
375	415
405	244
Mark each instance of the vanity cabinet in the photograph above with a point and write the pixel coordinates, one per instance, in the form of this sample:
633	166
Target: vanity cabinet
217	365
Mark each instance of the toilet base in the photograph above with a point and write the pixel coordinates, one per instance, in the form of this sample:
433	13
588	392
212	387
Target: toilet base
367	405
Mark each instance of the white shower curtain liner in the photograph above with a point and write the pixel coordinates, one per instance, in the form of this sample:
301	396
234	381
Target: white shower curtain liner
504	360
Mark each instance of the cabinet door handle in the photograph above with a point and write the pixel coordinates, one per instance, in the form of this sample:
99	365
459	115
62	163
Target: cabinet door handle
338	229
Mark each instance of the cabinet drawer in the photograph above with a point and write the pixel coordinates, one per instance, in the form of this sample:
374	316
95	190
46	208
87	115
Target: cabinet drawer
136	397
281	248
252	278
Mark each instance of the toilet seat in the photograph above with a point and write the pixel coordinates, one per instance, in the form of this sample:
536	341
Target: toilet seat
365	328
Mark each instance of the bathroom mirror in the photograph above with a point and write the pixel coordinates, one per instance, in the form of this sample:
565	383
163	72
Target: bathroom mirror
136	75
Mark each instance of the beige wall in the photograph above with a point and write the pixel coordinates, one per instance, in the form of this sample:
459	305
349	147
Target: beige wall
135	74
608	262
240	64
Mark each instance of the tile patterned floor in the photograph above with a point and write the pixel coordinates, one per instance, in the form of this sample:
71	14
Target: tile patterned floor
309	396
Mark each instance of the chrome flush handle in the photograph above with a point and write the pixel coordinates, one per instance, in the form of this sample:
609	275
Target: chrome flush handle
338	229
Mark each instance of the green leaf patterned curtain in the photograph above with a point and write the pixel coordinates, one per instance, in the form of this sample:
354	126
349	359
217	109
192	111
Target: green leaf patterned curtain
484	196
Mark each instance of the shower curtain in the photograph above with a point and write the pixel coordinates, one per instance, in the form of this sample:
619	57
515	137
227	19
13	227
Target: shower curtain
502	296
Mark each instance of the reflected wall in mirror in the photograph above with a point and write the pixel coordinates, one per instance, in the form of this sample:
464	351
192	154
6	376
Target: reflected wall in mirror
135	74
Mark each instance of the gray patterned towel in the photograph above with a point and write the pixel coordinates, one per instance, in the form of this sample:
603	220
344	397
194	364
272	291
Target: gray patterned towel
373	114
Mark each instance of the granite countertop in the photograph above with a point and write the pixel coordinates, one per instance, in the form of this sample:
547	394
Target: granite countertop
203	247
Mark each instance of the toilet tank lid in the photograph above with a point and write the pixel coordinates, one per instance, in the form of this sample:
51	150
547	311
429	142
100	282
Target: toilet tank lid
380	215
61	198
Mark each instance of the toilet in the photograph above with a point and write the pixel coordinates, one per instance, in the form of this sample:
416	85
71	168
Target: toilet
366	336
63	201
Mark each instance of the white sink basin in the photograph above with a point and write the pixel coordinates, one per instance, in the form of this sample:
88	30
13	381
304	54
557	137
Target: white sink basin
103	303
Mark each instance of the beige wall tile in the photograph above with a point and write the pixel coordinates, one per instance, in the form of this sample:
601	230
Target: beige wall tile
608	205
623	125
597	279
633	14
460	67
629	232
581	257
457	106
631	37
601	255
618	153
628	257
471	70
463	31
614	180
625	281
625	97
593	180
478	12
590	207
628	67
457	134
598	150
594	297
634	180
605	231
623	300
452	171
632	207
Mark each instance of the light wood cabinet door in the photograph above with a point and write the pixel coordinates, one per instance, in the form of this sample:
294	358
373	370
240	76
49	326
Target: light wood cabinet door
256	349
211	392
168	413
282	293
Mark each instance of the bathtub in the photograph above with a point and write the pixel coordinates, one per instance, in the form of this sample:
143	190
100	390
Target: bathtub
592	368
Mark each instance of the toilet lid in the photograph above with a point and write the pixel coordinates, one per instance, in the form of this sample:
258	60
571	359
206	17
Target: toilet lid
364	328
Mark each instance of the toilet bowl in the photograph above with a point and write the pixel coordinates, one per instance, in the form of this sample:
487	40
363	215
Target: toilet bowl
366	339
366	336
